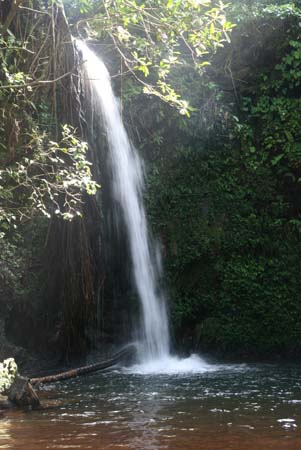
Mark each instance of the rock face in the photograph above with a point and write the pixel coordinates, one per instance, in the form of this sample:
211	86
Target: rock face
22	394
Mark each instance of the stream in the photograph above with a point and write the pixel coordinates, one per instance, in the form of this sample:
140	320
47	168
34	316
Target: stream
237	407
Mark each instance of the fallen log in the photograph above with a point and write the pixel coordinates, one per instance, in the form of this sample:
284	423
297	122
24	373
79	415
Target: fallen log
113	361
20	391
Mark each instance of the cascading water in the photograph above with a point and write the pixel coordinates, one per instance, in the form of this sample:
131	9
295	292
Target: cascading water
128	185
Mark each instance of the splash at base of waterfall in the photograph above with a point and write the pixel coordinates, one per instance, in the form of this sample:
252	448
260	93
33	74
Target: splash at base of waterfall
173	365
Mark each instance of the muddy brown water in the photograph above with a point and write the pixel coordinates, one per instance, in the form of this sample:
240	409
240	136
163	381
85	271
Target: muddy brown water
232	408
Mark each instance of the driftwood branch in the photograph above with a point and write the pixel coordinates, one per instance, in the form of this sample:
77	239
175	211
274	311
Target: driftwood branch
113	361
22	394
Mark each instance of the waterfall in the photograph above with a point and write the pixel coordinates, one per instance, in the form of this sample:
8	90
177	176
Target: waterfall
128	184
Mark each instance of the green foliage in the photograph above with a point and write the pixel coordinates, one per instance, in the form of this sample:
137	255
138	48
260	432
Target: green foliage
273	113
226	206
244	10
43	164
77	8
232	254
49	177
155	36
44	171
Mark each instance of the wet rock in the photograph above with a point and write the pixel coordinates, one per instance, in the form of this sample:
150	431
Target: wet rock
22	393
5	404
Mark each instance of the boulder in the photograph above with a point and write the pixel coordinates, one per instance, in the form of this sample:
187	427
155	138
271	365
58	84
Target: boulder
22	394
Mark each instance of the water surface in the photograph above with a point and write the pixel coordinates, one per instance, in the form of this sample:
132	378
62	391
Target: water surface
231	407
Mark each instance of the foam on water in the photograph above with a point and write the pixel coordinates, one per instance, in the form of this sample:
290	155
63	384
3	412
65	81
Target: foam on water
173	365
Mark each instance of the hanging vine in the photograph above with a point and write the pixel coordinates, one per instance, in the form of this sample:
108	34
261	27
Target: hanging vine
45	171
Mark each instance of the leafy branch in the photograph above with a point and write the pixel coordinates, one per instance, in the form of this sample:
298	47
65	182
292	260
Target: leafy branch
154	37
49	179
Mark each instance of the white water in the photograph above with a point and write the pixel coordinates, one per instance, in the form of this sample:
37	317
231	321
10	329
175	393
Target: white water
128	183
172	365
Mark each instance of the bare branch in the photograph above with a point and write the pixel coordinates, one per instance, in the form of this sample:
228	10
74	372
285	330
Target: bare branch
36	83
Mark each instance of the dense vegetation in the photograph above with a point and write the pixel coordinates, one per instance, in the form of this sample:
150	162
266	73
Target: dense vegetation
227	202
221	137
